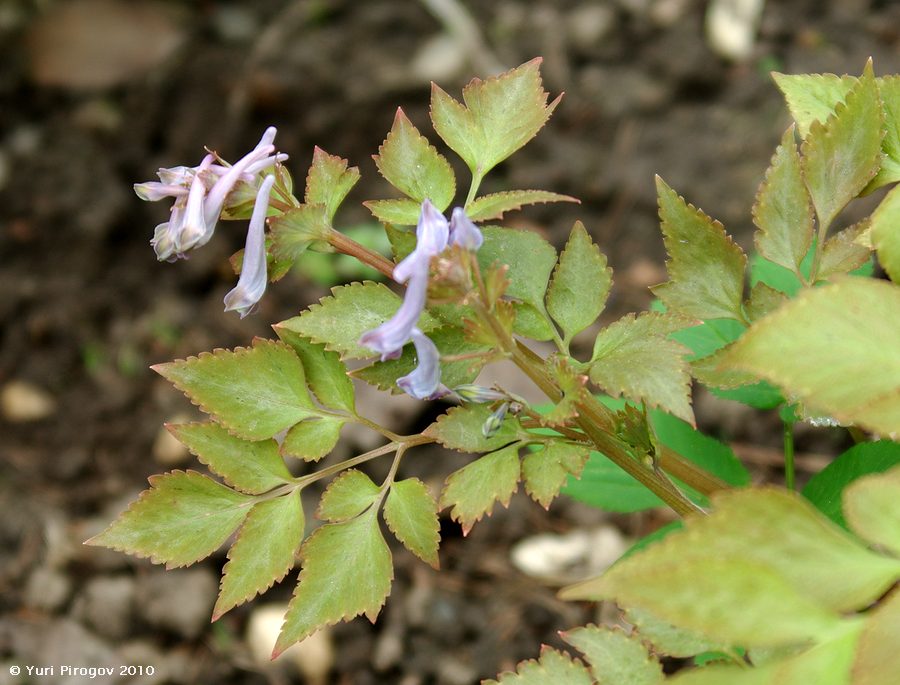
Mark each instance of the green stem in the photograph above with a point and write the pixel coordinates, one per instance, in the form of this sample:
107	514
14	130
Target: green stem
789	455
477	177
348	246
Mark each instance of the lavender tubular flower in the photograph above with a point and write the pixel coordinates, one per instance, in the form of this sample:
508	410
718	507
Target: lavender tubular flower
152	191
432	233
463	232
424	382
194	226
390	337
252	282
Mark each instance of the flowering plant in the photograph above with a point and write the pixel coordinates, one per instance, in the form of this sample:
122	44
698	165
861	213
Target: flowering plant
755	576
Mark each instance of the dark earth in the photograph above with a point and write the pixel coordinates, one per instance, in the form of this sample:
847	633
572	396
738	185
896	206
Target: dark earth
96	95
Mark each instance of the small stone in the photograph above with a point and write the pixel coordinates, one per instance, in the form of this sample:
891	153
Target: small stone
180	601
105	604
731	27
21	402
562	559
440	58
313	657
167	450
47	589
590	24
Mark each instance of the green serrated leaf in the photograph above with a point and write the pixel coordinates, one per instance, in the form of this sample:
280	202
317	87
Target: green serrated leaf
347	496
495	205
461	429
312	439
782	210
547	470
813	97
402	240
347	571
412	515
500	115
556	668
633	357
326	375
449	340
877	659
473	489
842	154
254	392
843	253
182	518
814	343
399	212
706	267
531	260
329	180
872	510
811	562
826	487
531	322
263	552
338	321
889	90
580	285
668	639
253	467
885	222
615	657
413	166
294	231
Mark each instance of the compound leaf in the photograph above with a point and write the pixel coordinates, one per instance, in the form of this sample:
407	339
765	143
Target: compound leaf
843	153
546	471
412	165
461	429
615	657
816	342
552	667
255	392
339	320
263	552
182	518
782	210
347	571
398	212
473	489
813	97
580	285
253	467
293	232
706	267
412	515
495	205
531	260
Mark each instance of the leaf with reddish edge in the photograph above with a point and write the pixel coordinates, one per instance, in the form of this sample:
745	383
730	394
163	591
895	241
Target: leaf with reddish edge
254	392
412	515
329	180
556	668
263	552
312	439
461	429
843	252
348	495
347	571
473	489
548	469
399	212
615	657
326	375
495	205
182	518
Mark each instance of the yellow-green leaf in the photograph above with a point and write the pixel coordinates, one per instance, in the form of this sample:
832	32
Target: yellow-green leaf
547	470
312	439
473	489
830	347
411	513
813	97
263	552
253	467
347	571
254	392
326	375
182	518
843	252
580	285
877	657
885	222
461	429
615	657
399	212
843	153
706	267
553	668
872	508
329	180
495	205
347	496
782	211
413	166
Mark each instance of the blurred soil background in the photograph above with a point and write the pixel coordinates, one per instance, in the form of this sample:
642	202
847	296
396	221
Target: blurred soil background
97	94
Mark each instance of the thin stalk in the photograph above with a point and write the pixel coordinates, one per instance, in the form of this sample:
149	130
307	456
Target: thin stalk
346	245
477	177
789	455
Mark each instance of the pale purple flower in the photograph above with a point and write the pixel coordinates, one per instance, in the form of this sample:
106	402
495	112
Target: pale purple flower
390	337
193	226
463	232
432	233
252	282
424	382
152	191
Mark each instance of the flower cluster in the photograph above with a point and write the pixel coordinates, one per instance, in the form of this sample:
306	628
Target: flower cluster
433	235
201	193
